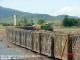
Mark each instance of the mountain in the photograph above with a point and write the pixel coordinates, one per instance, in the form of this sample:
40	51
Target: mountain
61	17
6	15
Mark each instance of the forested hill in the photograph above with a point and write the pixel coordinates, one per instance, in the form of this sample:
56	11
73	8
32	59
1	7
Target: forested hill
6	14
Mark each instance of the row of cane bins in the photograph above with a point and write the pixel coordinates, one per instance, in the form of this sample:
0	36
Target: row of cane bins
55	44
67	47
22	39
29	39
36	41
40	42
47	43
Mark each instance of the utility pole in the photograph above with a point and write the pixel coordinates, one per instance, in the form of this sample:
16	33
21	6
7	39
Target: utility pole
14	20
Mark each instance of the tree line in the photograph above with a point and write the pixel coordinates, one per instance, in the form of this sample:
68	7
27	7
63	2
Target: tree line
68	22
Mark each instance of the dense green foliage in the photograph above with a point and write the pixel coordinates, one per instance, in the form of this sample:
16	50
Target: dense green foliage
70	21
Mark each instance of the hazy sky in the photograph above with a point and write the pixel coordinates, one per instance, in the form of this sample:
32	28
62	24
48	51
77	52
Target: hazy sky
51	7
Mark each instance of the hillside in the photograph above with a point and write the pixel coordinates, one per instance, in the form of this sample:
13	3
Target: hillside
6	14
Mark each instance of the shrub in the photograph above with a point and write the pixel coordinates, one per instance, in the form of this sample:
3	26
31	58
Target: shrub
70	21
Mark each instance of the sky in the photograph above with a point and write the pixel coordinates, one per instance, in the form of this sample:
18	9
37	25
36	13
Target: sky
51	7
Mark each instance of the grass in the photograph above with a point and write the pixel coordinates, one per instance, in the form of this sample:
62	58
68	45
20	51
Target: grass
67	28
2	28
58	26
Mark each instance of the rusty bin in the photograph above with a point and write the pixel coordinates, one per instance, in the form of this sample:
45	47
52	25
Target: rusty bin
23	38
9	35
14	36
28	39
36	41
60	45
18	37
74	46
47	43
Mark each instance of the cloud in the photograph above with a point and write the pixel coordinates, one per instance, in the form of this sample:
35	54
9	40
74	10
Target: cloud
73	11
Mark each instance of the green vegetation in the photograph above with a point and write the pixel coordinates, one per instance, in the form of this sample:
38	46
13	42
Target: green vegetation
41	21
29	19
25	22
70	21
60	22
6	14
6	24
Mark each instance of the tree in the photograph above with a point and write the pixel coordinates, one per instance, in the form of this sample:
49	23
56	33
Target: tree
78	23
69	21
41	21
23	22
31	22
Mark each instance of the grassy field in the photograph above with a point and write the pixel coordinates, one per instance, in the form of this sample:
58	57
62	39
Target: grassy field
2	28
67	29
58	26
